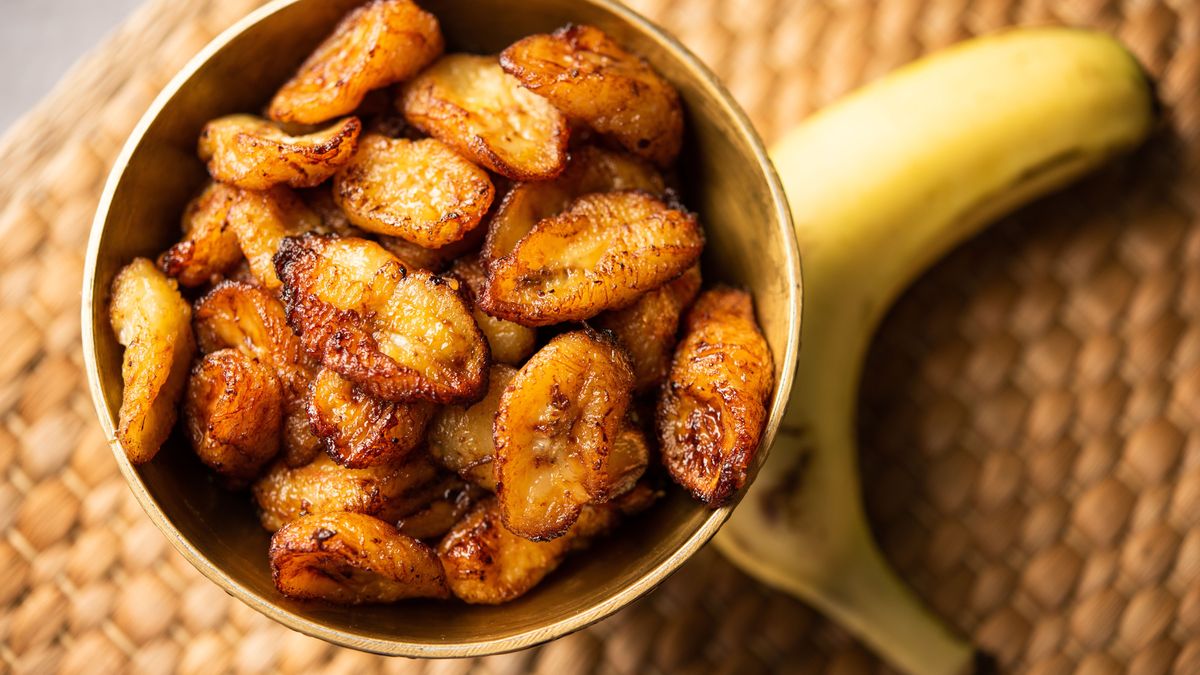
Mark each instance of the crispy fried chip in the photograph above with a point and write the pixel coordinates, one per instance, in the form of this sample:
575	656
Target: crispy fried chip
349	558
713	406
247	318
153	322
472	105
382	42
647	328
460	437
553	432
421	191
587	75
388	491
209	248
444	512
360	430
510	342
589	170
601	253
399	334
257	154
261	220
234	413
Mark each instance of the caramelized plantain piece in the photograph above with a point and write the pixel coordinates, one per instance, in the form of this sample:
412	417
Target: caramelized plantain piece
438	516
627	461
388	491
553	432
431	259
382	42
713	407
589	170
153	322
398	334
601	253
587	75
241	316
334	220
256	154
234	413
351	559
261	220
460	437
510	342
209	247
647	328
472	105
421	191
359	430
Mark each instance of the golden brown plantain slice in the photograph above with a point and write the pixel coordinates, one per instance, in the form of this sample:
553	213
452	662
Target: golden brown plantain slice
247	318
261	220
627	461
421	191
587	75
234	413
472	105
589	170
153	322
359	430
444	512
713	406
256	154
349	558
510	342
382	42
399	334
334	220
601	253
209	247
647	329
388	491
460	437
554	432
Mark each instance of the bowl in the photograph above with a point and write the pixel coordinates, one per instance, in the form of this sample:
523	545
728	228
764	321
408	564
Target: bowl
726	178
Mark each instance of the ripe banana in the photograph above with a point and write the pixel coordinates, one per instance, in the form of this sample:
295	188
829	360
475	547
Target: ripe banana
881	184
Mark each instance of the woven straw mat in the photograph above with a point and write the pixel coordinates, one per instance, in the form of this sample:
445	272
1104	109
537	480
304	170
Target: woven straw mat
1030	446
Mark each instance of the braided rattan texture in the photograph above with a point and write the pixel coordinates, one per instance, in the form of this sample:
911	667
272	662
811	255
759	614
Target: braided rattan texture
1031	446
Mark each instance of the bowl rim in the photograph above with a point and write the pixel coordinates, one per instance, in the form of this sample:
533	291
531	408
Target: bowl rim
715	91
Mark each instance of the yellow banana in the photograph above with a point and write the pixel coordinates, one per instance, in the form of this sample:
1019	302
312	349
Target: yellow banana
881	184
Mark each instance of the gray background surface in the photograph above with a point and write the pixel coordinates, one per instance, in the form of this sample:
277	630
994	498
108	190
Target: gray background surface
40	39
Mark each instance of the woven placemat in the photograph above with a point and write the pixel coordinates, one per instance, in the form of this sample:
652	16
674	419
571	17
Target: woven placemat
1029	418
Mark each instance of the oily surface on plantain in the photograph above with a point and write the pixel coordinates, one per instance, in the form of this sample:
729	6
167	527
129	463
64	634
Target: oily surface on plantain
234	414
601	253
261	220
455	498
398	334
153	322
473	106
713	407
360	430
209	248
351	558
256	154
460	436
587	75
377	44
508	341
554	430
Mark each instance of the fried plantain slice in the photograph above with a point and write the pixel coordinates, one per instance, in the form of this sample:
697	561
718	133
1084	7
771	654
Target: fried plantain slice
387	491
601	253
438	516
241	316
256	154
209	248
589	170
398	334
510	342
382	42
587	75
460	437
334	220
627	461
647	329
713	407
234	414
153	322
261	220
554	432
421	191
473	106
359	430
351	559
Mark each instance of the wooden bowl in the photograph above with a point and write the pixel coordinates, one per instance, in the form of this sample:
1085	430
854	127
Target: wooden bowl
726	176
